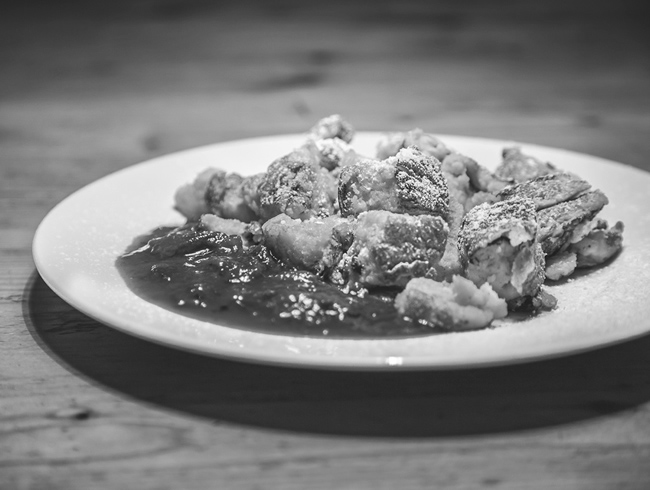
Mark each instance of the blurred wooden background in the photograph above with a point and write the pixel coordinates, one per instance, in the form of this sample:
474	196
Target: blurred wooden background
87	88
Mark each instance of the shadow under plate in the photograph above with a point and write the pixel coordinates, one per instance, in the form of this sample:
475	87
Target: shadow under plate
414	404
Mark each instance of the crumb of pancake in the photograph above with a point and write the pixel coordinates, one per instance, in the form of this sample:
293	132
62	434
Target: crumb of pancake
455	305
190	199
560	265
250	233
298	186
410	182
599	245
389	249
498	244
333	126
547	190
212	222
517	166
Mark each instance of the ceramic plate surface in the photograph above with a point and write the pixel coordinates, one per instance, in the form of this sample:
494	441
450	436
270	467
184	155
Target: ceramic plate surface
77	243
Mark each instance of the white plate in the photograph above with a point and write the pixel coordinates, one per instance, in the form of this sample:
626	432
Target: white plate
76	245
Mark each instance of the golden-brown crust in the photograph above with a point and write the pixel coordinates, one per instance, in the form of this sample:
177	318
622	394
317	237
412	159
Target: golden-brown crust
389	248
410	182
557	223
296	185
547	190
514	219
421	187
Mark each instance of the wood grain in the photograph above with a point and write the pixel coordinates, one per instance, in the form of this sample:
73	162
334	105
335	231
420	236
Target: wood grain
88	88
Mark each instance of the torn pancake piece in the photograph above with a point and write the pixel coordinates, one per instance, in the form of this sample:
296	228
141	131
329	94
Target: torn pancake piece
592	245
455	305
297	186
332	152
389	249
449	264
481	179
498	244
559	224
410	182
391	143
547	190
232	196
333	126
517	166
599	245
299	243
461	189
190	199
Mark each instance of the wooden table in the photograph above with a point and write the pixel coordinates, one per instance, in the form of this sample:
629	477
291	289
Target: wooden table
88	89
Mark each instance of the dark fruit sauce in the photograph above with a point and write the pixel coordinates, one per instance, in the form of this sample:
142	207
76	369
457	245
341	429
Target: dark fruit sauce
211	276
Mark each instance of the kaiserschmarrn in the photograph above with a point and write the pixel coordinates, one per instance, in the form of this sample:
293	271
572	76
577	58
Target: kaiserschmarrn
417	236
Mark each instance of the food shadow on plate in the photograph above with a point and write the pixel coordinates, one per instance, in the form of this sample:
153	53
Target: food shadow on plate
586	271
416	404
